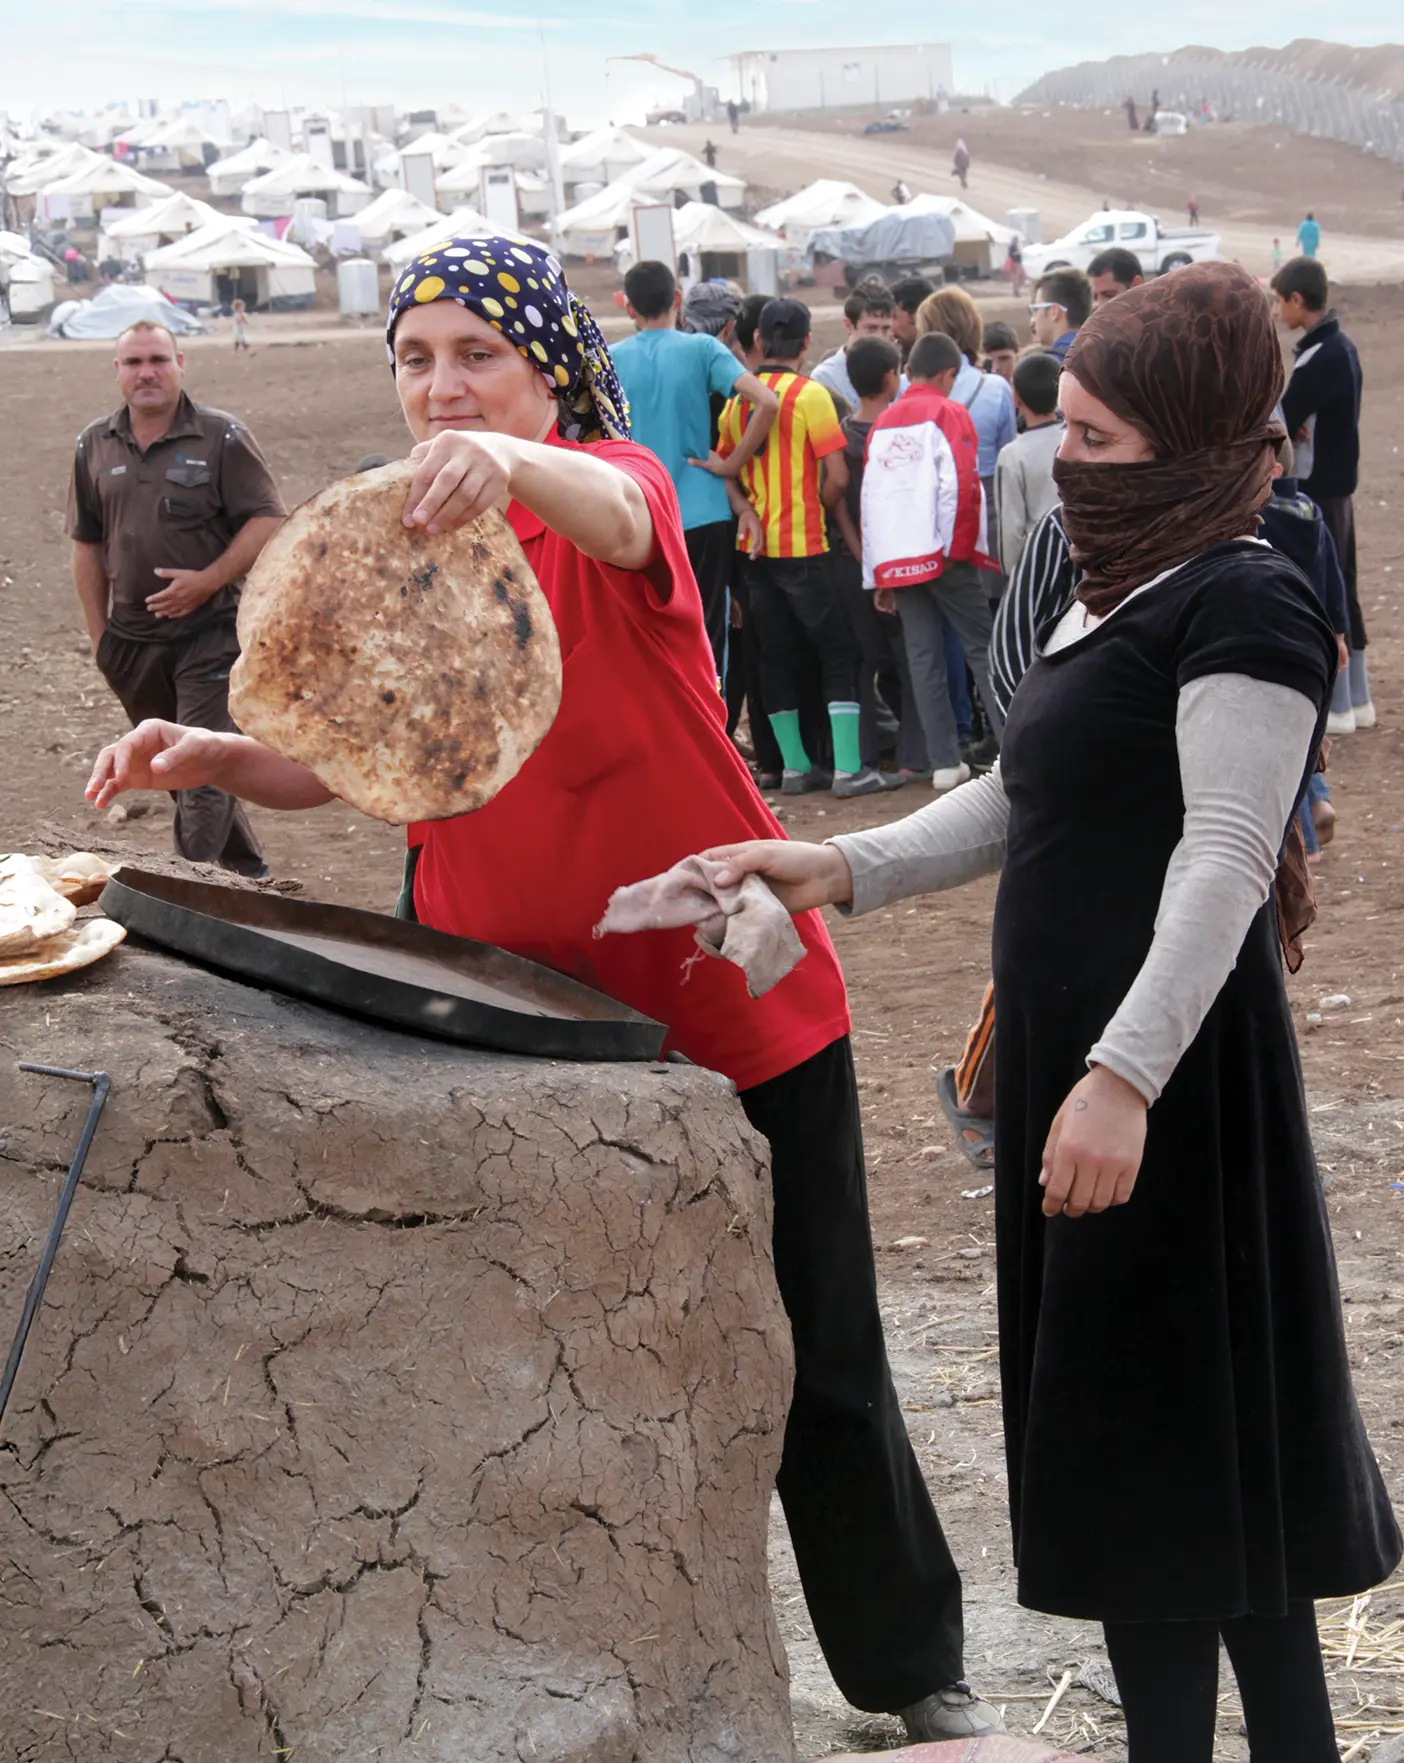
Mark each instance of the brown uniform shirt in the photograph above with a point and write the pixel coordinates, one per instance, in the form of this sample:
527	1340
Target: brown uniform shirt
176	506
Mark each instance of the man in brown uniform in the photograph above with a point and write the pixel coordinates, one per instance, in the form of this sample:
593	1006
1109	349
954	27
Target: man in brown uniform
170	505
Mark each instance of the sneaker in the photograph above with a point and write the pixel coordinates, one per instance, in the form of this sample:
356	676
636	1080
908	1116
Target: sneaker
950	778
953	1713
867	782
980	755
1364	714
1341	722
769	780
805	783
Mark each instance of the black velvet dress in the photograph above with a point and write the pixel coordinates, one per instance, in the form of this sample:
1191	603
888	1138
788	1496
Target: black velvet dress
1182	1436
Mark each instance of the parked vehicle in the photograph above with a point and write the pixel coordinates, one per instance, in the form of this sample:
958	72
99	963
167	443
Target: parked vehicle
891	124
1157	247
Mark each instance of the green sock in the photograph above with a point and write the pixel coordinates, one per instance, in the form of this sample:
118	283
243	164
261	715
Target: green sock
787	733
843	720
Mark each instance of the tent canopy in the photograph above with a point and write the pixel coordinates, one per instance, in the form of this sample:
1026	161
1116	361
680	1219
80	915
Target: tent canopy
602	156
445	151
392	215
523	152
970	226
825	202
108	177
170	218
259	269
493	122
670	170
463	223
274	194
37	171
228	176
116	308
699	226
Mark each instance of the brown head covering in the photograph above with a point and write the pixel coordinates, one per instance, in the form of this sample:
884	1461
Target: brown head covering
1191	360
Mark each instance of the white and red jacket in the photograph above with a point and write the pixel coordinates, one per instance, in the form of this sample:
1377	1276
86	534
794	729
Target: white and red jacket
923	502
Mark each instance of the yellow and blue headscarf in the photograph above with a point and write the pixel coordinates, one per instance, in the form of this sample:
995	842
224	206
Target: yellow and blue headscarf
520	289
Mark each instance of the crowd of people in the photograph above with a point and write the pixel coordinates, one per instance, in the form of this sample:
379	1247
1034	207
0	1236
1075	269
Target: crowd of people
1110	568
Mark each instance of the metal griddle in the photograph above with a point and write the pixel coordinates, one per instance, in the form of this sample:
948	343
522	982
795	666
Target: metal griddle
388	969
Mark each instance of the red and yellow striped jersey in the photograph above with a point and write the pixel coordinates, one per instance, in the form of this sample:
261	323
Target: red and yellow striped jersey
782	482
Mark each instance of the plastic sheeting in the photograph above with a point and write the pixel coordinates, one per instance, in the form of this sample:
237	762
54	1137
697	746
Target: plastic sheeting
896	237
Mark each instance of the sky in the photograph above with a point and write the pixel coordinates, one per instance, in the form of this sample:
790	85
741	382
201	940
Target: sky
488	54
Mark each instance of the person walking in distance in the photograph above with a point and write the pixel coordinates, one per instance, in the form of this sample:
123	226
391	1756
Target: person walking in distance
733	115
709	153
169	506
669	377
1309	236
1193	207
1321	407
789	485
960	167
241	329
1061	305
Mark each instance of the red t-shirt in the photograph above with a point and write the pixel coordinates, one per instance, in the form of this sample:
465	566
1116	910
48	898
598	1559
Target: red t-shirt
636	773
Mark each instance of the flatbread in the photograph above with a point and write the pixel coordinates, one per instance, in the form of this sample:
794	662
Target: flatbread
414	674
80	947
31	912
80	877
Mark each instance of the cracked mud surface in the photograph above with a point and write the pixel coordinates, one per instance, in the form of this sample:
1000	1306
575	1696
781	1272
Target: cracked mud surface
389	1400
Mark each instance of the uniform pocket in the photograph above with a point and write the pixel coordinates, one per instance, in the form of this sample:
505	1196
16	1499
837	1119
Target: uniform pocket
190	475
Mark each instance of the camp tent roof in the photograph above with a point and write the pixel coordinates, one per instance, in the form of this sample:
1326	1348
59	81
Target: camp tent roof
522	151
14	247
117	307
445	151
671	169
394	212
109	177
825	202
259	156
37	171
968	224
178	132
701	226
463	223
493	122
178	213
230	241
599	157
301	175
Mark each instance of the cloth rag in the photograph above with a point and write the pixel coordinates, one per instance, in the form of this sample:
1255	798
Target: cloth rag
744	924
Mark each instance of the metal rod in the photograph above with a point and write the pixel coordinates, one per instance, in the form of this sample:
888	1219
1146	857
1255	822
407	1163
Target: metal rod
34	1297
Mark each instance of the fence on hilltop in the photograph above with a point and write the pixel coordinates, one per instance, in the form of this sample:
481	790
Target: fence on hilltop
1240	90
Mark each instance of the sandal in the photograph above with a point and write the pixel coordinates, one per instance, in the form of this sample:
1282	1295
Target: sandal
974	1136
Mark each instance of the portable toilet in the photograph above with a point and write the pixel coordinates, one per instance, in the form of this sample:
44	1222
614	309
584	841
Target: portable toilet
358	287
1026	223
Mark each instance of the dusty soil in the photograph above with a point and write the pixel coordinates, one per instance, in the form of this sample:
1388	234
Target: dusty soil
916	975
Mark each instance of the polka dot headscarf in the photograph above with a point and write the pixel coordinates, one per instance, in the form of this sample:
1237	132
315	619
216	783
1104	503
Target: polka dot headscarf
520	289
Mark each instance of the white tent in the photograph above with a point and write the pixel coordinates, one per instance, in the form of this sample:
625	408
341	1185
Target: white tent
26	281
393	215
601	157
108	184
826	202
701	226
463	223
232	260
228	176
36	170
495	122
114	310
277	192
132	231
980	243
443	149
670	172
178	145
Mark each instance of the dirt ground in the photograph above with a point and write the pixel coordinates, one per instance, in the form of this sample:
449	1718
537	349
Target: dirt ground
916	974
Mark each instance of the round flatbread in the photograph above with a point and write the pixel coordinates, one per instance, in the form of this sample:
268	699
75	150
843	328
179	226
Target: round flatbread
80	947
31	910
414	674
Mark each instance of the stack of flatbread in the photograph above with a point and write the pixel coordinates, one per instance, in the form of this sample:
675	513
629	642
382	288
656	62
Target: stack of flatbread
413	673
40	934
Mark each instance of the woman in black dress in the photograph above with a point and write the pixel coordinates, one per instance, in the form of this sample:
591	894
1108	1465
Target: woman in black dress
1186	1458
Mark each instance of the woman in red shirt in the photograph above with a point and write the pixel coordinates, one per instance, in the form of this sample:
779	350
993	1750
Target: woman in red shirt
508	389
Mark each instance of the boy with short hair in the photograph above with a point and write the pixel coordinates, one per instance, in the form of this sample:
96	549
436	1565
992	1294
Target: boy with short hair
924	541
867	312
1001	348
1024	487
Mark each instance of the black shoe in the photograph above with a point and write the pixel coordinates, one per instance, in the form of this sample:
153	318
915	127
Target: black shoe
806	783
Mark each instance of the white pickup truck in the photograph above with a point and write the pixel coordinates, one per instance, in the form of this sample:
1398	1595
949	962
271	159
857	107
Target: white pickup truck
1157	248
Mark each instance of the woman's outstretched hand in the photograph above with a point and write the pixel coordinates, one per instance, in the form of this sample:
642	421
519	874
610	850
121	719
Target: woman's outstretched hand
1095	1145
801	876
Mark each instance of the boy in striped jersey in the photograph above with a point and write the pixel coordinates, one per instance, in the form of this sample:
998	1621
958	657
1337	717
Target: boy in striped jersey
787	488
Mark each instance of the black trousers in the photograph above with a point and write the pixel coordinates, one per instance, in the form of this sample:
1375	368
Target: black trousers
791	598
187	680
1339	514
882	1589
711	550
